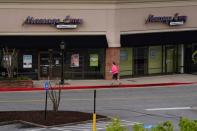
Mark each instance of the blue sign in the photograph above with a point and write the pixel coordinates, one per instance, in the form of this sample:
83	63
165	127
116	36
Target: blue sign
148	126
46	85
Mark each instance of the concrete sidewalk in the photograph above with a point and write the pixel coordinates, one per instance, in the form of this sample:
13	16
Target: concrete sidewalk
149	81
164	79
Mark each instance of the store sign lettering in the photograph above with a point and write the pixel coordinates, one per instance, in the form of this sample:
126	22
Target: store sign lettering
66	23
169	20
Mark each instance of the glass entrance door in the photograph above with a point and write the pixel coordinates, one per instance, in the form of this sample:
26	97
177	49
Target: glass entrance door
49	65
55	65
140	60
170	59
44	68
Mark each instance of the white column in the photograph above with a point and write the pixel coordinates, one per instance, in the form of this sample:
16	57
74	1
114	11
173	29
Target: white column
182	59
113	29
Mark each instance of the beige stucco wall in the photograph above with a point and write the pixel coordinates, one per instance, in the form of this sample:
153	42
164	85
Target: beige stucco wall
109	19
132	20
97	19
12	20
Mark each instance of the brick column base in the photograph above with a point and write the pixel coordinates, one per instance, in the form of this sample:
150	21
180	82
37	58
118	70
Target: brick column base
112	54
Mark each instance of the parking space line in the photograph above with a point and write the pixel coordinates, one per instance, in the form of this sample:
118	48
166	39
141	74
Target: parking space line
36	129
173	108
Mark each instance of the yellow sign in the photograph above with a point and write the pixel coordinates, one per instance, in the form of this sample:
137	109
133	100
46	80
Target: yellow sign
94	60
194	57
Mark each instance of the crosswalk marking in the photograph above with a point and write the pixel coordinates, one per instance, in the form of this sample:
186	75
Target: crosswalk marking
101	125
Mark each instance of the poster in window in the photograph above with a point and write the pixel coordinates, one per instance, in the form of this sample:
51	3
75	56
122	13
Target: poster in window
194	57
153	54
94	60
123	55
75	60
57	62
27	61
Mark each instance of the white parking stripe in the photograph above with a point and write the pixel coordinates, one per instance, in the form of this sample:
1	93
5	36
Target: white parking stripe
71	129
173	108
101	125
40	129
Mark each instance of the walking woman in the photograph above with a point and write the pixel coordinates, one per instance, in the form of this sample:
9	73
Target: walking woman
115	73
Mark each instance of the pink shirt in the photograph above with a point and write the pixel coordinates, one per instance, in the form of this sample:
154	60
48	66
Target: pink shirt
114	69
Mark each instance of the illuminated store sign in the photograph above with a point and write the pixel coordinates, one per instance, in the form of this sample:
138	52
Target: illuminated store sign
169	20
66	23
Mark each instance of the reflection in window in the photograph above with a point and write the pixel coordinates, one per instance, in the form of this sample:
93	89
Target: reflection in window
126	61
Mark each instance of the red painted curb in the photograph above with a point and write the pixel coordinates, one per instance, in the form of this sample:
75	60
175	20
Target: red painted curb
6	89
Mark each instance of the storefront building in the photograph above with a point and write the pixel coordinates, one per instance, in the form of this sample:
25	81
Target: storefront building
144	38
36	30
158	39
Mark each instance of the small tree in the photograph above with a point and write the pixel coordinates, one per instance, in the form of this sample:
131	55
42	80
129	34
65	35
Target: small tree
55	95
116	125
187	124
138	127
166	126
9	61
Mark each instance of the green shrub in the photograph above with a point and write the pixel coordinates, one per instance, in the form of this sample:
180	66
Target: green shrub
158	128
138	127
187	125
166	126
116	125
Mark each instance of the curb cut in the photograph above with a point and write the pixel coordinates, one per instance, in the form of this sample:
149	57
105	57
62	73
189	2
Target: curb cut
7	89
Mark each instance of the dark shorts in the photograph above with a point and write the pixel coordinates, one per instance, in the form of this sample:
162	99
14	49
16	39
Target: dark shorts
115	76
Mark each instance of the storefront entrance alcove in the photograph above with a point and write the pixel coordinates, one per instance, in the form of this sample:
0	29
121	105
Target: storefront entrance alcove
170	59
49	65
140	60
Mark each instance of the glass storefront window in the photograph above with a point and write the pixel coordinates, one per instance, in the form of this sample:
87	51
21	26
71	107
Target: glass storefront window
171	59
84	64
74	60
180	58
28	64
94	59
1	66
194	58
27	61
155	60
126	57
140	60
